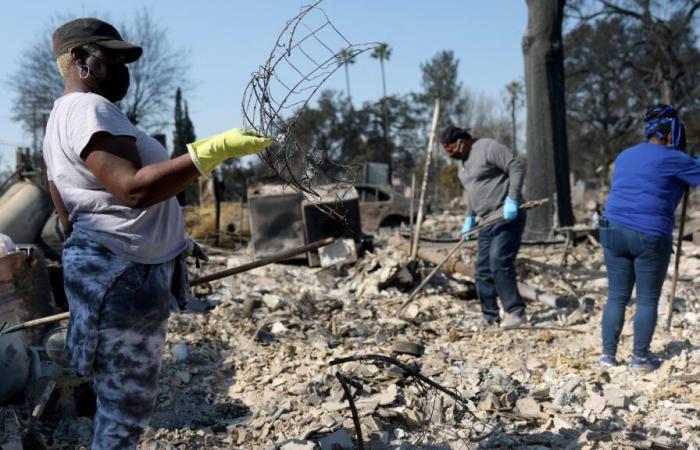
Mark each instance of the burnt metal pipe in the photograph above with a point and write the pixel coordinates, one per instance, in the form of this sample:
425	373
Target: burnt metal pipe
264	261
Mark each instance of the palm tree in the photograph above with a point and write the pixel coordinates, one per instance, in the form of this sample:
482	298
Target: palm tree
514	100
382	52
347	58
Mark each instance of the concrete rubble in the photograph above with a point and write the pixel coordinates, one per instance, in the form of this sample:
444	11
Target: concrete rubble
254	371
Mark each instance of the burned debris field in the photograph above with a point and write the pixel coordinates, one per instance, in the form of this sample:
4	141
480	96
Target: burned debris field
285	226
256	361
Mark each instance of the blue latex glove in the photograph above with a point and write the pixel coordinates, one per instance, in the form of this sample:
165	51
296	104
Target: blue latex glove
468	225
510	209
697	159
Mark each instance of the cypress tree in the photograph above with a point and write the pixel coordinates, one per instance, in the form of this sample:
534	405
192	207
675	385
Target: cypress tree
179	136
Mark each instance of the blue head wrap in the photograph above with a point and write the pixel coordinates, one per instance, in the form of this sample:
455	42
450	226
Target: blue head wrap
662	120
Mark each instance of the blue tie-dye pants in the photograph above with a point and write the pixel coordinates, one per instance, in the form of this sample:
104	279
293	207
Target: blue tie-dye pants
119	315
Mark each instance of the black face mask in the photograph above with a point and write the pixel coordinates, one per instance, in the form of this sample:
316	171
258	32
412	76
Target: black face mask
116	84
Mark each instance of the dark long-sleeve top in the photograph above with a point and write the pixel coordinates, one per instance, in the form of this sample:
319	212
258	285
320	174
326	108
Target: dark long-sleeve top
490	174
648	182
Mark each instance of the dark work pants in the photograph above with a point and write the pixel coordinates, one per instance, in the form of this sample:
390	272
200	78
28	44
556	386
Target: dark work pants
632	257
495	267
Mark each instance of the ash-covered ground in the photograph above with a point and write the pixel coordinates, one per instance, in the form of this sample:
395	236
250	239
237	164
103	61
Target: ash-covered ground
254	372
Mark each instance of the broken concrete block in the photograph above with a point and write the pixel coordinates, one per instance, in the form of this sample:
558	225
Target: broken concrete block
184	376
334	406
412	311
615	397
273	302
388	396
528	407
595	403
490	403
297	444
540	393
336	440
250	304
408	348
370	426
560	422
366	406
278	328
342	251
179	352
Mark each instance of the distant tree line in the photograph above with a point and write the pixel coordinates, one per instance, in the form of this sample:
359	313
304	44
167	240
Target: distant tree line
622	56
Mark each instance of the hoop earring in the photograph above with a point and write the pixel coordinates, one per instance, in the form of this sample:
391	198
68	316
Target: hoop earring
84	74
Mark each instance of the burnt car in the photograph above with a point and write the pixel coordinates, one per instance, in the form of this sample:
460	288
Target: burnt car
383	206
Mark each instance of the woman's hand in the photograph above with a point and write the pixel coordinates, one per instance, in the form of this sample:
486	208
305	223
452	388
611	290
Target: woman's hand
207	153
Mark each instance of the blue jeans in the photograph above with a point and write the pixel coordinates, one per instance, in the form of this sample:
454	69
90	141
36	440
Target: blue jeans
495	268
632	257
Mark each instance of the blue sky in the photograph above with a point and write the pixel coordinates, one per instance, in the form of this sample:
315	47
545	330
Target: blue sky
227	40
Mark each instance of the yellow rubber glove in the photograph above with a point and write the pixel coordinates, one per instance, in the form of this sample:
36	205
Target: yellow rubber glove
207	153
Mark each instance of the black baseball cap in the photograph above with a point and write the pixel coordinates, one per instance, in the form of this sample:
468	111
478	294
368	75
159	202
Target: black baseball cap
93	31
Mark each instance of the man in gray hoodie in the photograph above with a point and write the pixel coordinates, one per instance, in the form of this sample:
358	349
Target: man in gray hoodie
493	177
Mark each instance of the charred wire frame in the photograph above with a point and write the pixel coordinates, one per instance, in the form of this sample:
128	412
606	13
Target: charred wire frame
308	51
430	391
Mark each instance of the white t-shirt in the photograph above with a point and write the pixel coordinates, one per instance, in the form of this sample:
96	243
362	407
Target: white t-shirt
150	235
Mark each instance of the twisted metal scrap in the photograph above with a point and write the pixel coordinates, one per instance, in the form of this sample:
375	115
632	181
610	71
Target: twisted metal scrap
426	386
307	52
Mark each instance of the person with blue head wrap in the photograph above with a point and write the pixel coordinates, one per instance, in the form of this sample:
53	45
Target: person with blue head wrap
662	121
636	229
